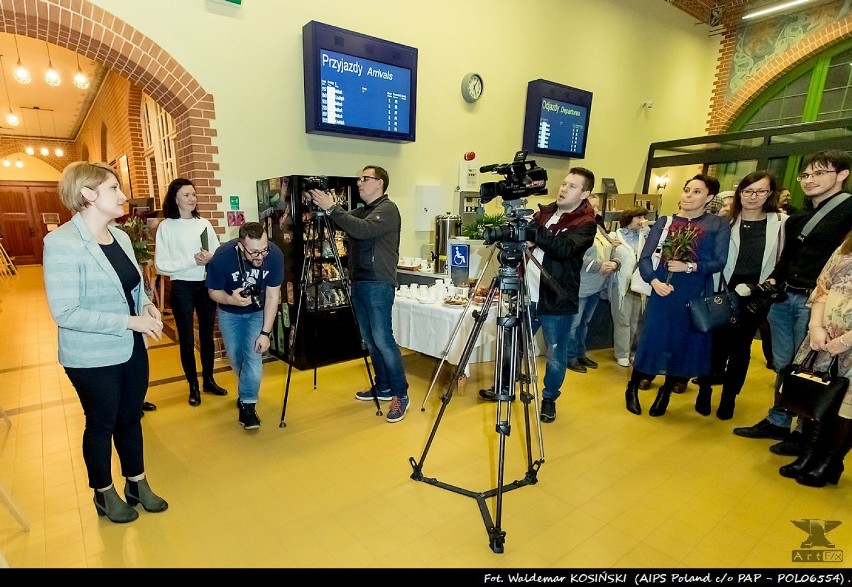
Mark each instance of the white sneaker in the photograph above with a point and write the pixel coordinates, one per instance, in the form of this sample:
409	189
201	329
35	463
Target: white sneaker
623	362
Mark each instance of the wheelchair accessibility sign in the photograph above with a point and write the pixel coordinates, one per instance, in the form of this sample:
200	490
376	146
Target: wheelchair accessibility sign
459	255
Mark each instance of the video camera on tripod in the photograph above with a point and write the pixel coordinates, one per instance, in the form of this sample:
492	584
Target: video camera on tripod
523	178
314	182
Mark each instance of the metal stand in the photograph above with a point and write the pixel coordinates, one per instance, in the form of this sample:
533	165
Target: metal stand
515	366
321	238
7	267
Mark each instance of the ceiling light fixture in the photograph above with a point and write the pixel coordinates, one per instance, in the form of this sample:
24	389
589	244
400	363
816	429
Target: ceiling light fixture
11	118
44	151
771	9
80	79
29	148
51	77
58	150
22	75
19	164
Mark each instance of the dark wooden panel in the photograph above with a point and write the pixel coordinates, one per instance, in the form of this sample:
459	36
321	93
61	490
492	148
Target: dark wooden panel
17	226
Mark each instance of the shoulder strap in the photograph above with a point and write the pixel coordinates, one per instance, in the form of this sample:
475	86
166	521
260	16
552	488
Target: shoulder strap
664	233
821	213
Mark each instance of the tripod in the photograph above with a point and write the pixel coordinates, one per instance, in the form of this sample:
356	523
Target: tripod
514	366
320	244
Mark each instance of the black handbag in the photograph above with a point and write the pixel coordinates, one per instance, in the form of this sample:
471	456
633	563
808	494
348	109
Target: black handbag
812	394
720	309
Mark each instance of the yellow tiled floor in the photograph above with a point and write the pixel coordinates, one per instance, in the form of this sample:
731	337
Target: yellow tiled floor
334	489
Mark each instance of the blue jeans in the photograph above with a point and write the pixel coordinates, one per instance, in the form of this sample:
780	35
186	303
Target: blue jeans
239	333
373	303
580	327
788	323
555	328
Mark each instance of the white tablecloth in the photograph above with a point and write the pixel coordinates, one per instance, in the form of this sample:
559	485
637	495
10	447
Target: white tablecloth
427	328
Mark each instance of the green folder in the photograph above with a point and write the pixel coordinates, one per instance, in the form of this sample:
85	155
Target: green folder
204	240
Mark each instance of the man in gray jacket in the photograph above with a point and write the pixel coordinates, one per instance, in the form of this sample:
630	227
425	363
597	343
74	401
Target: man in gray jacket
374	232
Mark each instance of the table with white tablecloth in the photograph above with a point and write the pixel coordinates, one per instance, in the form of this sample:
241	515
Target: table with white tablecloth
427	329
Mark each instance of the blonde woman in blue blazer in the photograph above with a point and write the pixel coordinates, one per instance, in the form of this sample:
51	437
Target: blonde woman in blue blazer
757	237
97	297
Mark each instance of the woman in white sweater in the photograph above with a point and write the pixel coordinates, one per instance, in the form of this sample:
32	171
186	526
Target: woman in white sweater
185	244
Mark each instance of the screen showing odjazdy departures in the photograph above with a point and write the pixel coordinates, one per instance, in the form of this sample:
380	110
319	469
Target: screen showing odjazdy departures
363	93
561	126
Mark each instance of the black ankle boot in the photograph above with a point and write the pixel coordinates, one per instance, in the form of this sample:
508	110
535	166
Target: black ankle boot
810	437
658	408
194	393
827	467
632	398
727	403
702	400
139	492
211	386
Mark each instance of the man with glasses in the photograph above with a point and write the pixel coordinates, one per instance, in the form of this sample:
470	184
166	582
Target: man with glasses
374	232
804	255
244	278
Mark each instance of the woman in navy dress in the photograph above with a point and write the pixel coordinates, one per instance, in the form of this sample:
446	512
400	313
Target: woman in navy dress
668	345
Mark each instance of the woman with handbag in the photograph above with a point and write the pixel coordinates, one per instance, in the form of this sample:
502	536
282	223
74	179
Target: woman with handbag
668	344
757	235
826	442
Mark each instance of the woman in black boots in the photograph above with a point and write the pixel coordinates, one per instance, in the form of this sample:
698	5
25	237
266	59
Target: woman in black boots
757	235
185	244
97	298
826	444
668	345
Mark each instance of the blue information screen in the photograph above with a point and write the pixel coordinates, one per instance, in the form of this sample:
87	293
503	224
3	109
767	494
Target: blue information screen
562	126
362	93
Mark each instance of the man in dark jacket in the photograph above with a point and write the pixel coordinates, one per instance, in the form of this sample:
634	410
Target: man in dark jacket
564	230
374	232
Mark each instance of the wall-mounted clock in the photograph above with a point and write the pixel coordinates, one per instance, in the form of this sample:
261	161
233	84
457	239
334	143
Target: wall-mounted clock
471	87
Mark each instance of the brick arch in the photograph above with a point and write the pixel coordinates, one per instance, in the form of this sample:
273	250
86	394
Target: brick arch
11	146
723	114
91	31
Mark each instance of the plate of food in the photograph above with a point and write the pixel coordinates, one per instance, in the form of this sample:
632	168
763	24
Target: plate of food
457	303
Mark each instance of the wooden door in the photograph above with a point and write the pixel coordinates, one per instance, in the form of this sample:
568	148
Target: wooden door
21	223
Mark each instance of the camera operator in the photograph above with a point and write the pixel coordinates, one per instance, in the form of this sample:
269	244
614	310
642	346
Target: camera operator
374	232
561	233
244	278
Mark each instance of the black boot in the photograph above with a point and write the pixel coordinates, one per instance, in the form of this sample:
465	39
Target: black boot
828	466
810	438
211	386
632	398
702	400
658	408
194	393
727	403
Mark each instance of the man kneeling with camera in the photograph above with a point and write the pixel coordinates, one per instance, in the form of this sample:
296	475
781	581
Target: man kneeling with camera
244	278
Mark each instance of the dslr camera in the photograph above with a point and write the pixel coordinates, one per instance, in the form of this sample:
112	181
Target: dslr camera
252	291
760	296
523	178
314	182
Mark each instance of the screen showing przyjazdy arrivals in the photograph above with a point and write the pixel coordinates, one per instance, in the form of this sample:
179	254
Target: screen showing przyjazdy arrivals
361	93
561	126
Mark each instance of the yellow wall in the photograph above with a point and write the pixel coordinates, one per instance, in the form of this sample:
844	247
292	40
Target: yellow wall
250	58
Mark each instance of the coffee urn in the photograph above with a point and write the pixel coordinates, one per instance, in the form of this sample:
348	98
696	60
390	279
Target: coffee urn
447	226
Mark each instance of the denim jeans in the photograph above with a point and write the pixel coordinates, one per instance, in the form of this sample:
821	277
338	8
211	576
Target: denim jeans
555	328
373	303
580	327
788	322
239	333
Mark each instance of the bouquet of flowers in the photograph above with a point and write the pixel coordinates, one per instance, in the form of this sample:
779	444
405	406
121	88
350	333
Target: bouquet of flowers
136	228
680	246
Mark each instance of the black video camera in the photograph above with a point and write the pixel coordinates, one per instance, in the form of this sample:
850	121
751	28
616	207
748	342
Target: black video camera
315	182
523	178
517	230
252	291
761	296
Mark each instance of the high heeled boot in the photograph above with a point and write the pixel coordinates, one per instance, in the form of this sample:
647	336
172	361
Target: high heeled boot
661	402
811	431
109	504
631	395
702	400
727	403
140	492
828	467
194	393
210	386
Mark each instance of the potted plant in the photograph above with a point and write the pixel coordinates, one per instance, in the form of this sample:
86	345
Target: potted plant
136	228
474	229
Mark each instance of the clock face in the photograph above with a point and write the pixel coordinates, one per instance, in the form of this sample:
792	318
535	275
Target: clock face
472	87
